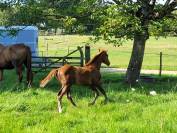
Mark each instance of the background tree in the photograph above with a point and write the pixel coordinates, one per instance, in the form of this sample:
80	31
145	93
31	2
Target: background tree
137	20
72	15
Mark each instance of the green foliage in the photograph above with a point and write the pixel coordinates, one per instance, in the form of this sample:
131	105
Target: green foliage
119	22
71	15
68	23
116	24
112	22
164	27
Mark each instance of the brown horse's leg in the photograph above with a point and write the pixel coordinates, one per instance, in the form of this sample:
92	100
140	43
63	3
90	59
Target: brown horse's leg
62	91
19	72
70	98
96	95
18	69
103	92
29	74
1	74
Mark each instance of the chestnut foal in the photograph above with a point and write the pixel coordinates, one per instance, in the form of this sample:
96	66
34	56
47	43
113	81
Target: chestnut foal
88	75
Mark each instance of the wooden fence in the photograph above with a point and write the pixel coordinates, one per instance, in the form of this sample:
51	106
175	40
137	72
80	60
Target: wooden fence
44	62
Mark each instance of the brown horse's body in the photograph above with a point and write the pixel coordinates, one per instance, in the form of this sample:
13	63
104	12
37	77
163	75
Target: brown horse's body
87	75
15	56
79	75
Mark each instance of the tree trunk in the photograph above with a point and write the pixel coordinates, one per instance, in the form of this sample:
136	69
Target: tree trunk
136	60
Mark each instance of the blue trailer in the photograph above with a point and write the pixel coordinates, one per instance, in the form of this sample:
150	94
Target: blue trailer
26	34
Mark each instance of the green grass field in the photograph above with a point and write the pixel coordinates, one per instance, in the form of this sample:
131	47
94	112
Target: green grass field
35	110
119	56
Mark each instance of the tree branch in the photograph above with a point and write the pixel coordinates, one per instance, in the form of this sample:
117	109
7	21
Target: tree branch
166	10
144	1
153	3
117	2
167	2
108	2
58	16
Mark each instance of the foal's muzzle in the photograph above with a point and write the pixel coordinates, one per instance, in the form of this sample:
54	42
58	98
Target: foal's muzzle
108	63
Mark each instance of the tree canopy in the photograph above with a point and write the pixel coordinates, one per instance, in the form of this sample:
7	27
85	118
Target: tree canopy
123	19
114	20
72	15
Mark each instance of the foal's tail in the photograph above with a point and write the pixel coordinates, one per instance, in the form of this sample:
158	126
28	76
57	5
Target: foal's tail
52	73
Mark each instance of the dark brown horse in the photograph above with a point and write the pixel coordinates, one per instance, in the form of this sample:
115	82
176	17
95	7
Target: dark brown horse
87	75
15	56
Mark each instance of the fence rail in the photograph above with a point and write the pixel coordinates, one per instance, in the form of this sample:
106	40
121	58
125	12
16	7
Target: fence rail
152	60
44	62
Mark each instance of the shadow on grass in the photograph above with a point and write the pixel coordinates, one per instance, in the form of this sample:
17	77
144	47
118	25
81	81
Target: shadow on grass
112	82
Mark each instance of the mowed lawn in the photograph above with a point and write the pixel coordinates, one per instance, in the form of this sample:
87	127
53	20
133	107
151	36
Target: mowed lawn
119	56
34	110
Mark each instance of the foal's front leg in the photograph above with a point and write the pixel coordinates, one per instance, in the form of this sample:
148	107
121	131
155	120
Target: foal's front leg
96	95
1	74
103	92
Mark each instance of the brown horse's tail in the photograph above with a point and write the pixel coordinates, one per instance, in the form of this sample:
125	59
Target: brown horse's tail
28	65
52	73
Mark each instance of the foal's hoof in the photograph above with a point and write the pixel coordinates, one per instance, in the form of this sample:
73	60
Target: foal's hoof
59	110
105	102
90	104
29	86
111	100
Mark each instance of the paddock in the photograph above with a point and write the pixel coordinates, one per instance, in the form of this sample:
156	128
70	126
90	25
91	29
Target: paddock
133	109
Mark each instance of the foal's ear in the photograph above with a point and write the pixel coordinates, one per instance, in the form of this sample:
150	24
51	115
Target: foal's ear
99	49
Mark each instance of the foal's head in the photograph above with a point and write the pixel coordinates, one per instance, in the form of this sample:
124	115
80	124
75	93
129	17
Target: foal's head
104	57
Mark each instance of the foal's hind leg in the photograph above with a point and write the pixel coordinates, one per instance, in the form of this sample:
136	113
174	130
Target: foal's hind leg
62	91
69	97
96	95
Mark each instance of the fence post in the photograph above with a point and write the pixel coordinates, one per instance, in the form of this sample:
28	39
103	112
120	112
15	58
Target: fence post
47	48
87	53
81	56
160	70
45	61
63	62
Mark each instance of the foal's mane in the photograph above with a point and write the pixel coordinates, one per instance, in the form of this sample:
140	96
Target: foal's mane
94	58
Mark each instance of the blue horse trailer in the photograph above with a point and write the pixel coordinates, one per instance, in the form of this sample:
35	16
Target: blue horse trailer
26	34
